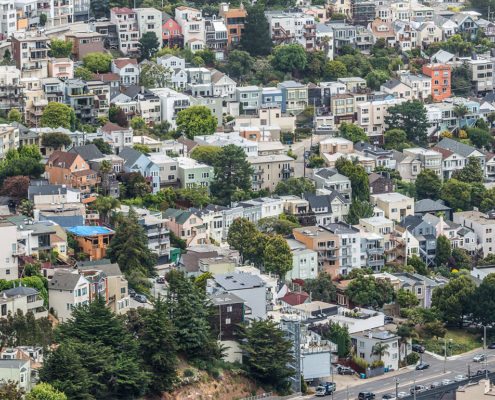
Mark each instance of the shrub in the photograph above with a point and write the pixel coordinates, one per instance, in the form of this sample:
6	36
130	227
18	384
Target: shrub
215	373
412	358
404	313
188	372
377	364
360	361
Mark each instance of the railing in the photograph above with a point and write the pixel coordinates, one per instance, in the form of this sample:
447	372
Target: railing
259	396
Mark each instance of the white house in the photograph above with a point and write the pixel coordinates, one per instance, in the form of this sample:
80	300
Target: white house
66	290
127	69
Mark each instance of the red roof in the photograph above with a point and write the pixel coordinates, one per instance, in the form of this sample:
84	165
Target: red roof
108	77
445	153
122	10
295	299
111	127
122	62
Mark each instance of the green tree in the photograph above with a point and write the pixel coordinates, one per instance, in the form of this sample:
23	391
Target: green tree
395	139
197	195
334	69
129	248
161	130
57	115
142	148
277	225
405	331
83	73
453	300
368	291
321	288
316	162
60	48
190	311
43	19
358	210
483	302
479	137
232	173
376	78
472	172
98	63
45	391
436	329
488	201
256	38
14	116
444	250
118	116
418	264
10	391
460	111
267	353
138	124
16	187
205	154
277	256
104	205
461	258
294	186
406	298
358	177
103	146
206	55
56	140
336	334
353	133
461	79
158	347
457	194
289	58
380	349
196	120
243	236
410	116
239	63
428	185
152	75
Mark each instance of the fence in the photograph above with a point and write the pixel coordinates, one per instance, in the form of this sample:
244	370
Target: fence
259	396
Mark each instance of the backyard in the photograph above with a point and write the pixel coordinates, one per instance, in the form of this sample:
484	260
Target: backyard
462	342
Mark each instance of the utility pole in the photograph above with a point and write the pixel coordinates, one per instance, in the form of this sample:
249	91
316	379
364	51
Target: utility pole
347	392
396	387
444	354
414	388
304	161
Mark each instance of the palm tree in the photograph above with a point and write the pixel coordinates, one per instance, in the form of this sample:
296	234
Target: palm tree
380	349
105	204
460	110
405	332
105	168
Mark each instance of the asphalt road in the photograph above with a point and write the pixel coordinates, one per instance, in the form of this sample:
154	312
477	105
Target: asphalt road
298	148
435	373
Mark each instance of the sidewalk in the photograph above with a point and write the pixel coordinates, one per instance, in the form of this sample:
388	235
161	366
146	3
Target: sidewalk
456	357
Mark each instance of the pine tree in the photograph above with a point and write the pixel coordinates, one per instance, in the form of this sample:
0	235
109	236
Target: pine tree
256	38
158	347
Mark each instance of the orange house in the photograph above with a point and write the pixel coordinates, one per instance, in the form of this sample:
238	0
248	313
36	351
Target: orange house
70	169
92	240
440	75
234	21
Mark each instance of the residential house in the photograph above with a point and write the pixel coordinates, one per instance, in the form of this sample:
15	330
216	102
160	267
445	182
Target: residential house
149	20
168	167
304	261
148	103
463	150
9	139
230	311
395	205
481	75
18	371
84	43
176	67
187	226
22	298
113	80
430	159
449	28
136	161
336	145
381	183
396	88
292	26
465	24
420	285
171	32
365	342
234	20
32	237
61	68
349	246
11	87
294	96
72	170
353	84
371	117
92	240
117	136
216	36
192	173
420	84
30	53
329	178
383	158
222	85
440	75
408	167
101	92
249	287
127	29
328	206
428	33
426	235
127	69
372	250
270	170
434	207
66	290
249	98
451	162
483	225
342	107
382	29
81	100
192	25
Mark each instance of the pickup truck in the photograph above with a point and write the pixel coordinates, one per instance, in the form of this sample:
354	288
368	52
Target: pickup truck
325	389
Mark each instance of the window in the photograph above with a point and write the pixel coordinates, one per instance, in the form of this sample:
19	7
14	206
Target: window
229	308
122	290
190	176
419	291
227	321
84	291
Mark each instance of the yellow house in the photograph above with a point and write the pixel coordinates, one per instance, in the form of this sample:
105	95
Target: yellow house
395	205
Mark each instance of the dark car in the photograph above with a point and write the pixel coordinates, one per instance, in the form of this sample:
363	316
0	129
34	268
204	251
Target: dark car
132	293
366	396
491	346
482	372
160	279
418	348
418	389
141	298
389	319
343	370
389	396
422	366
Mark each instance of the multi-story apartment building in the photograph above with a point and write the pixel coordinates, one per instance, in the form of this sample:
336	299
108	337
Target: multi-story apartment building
192	24
395	205
85	43
171	103
11	88
62	12
329	178
440	75
61	68
482	75
81	10
9	250
149	20
216	37
67	289
349	246
336	145
9	139
363	12
483	225
270	170
8	22
101	92
371	115
30	52
420	84
342	107
292	27
451	162
382	227
343	33
234	21
79	97
193	173
430	159
294	96
249	98
171	32
127	29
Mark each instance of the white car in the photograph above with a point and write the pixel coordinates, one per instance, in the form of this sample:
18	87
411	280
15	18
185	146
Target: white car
402	395
460	378
479	358
446	382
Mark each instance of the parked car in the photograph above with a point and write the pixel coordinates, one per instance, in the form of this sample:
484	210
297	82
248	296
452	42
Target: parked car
343	370
418	348
446	382
402	395
418	388
388	319
141	298
435	385
366	396
479	358
491	346
422	366
460	378
389	396
160	279
132	293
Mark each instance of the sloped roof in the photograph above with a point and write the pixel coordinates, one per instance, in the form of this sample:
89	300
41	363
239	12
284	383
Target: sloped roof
64	280
122	62
87	152
456	147
130	156
445	153
111	127
62	159
180	216
427	205
294	299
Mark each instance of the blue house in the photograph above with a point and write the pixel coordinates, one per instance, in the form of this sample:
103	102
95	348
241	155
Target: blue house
466	24
271	96
135	161
426	235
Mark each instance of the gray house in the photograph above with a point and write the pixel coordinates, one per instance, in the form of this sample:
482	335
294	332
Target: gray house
329	178
328	208
463	150
428	206
426	235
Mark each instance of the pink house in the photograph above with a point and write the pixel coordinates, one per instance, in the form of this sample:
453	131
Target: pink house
62	68
186	225
172	33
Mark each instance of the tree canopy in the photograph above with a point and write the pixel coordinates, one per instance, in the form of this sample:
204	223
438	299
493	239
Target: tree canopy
368	291
256	38
98	63
409	116
196	120
57	115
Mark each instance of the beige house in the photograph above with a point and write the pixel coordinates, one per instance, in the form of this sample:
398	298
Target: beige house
371	115
482	74
270	170
482	225
66	290
409	167
395	205
381	226
22	298
267	117
397	89
430	159
368	163
336	145
429	33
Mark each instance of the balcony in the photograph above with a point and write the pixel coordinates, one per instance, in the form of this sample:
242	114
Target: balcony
287	170
259	171
308	35
310	26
